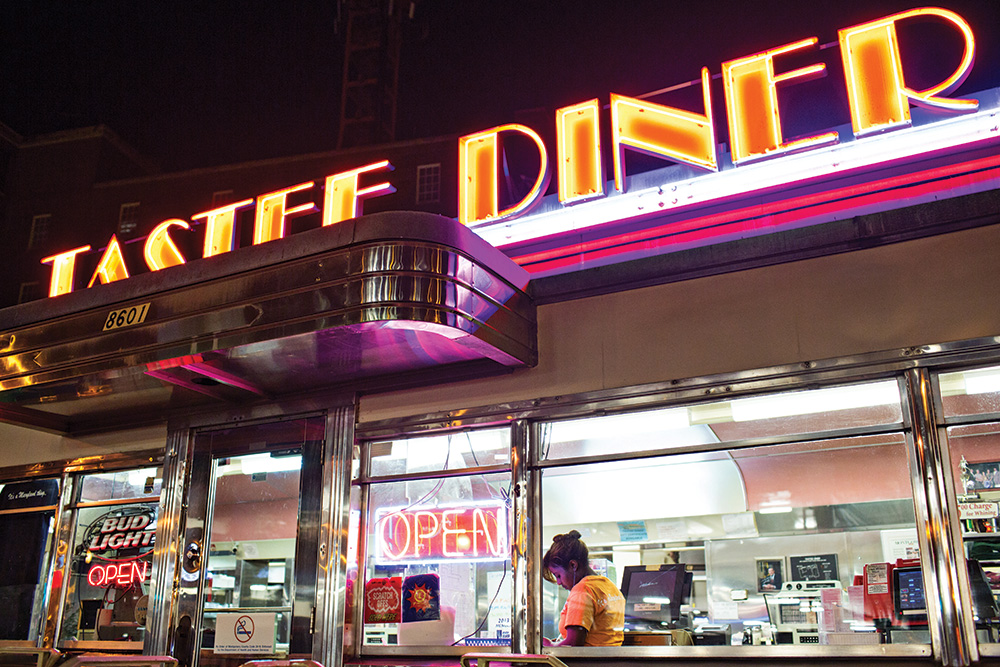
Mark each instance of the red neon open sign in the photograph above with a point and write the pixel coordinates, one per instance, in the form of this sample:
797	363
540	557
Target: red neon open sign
120	575
477	532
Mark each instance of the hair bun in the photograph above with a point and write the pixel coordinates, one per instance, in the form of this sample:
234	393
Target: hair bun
571	535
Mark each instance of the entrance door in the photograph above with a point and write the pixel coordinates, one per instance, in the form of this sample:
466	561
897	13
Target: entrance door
248	567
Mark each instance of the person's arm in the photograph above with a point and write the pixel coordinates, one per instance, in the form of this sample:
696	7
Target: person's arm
576	635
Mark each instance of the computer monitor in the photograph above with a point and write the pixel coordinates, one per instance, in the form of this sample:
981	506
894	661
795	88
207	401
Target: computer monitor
908	595
654	595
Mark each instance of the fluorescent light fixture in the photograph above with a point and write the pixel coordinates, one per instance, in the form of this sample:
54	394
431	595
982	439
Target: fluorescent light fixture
815	401
986	381
257	463
776	509
620	426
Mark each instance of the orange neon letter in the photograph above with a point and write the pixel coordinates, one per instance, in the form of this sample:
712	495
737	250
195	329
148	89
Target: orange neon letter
112	264
63	265
219	224
663	131
481	524
343	200
878	97
578	152
160	250
478	160
269	224
752	103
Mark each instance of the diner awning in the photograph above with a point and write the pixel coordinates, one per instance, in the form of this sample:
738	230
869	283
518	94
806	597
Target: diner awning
383	301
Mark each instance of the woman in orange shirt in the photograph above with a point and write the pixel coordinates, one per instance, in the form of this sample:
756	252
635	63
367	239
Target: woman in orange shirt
594	614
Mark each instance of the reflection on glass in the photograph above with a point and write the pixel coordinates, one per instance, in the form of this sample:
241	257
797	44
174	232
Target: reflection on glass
779	540
251	548
975	455
26	526
453	451
775	415
123	484
437	566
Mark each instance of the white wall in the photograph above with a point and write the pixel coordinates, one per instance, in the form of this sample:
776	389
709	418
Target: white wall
931	290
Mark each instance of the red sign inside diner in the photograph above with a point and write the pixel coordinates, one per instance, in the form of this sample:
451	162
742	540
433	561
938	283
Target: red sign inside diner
439	534
878	98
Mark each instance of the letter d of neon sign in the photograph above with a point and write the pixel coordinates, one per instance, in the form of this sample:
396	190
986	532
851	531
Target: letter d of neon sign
478	171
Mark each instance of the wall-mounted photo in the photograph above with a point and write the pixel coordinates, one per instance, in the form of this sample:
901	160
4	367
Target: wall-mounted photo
769	574
981	476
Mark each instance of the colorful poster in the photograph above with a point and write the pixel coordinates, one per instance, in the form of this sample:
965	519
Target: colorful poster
383	600
421	598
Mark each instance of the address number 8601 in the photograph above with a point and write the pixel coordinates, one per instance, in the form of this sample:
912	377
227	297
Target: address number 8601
126	317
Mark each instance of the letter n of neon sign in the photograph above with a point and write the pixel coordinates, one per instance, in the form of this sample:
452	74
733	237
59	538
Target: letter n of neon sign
873	72
663	131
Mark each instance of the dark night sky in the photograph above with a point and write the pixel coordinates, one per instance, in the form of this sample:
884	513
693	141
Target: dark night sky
193	84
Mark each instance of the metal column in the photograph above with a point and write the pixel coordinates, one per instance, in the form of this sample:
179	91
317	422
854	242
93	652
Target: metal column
938	529
521	627
331	575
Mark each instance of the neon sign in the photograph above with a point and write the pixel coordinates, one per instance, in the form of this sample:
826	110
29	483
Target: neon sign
878	103
125	532
439	534
878	100
119	575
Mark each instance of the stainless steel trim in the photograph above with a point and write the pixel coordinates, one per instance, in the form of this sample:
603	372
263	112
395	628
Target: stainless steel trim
29	510
116	501
331	588
247	610
65	535
435	474
718	446
364	490
165	586
951	627
534	494
57	562
84	464
520	543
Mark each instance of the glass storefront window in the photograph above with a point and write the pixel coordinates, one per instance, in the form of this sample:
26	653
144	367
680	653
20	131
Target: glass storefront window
111	561
797	542
436	567
27	517
975	458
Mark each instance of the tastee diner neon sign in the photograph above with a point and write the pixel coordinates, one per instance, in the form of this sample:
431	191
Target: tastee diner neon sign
878	98
458	533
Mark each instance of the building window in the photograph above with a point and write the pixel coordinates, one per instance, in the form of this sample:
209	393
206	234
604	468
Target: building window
110	569
437	547
29	292
221	198
429	183
39	230
128	218
736	515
